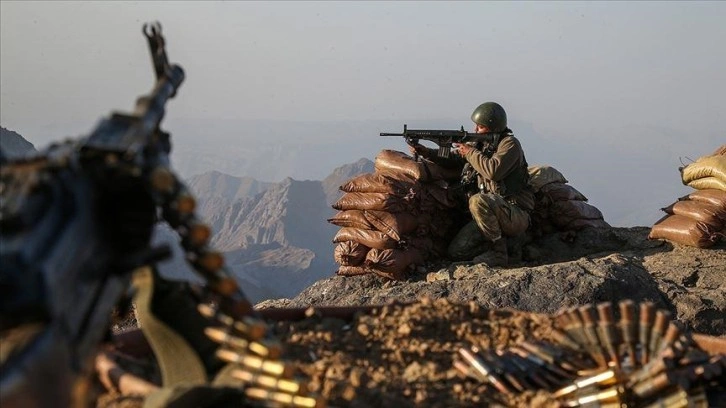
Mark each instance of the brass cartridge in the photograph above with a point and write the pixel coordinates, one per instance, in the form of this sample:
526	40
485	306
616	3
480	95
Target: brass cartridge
504	369
608	333
604	378
539	356
565	359
197	234
565	339
209	261
264	348
270	367
652	386
484	370
284	399
677	399
662	318
649	370
628	328
270	382
184	204
531	372
647	314
553	378
670	337
163	180
577	329
466	369
589	319
251	328
597	399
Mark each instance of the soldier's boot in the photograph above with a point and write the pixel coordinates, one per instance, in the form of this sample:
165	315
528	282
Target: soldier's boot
496	256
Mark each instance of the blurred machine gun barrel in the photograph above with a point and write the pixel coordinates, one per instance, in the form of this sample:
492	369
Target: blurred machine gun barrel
76	222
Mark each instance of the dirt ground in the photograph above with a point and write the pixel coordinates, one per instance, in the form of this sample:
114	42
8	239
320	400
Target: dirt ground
403	355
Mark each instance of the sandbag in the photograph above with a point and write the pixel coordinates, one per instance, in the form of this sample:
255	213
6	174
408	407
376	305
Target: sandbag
395	225
683	230
563	213
711	196
351	218
371	239
543	175
370	201
376	183
699	211
400	166
708	183
353	270
706	166
393	260
720	151
561	192
350	253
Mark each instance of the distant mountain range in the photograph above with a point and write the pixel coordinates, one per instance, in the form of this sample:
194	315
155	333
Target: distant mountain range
14	145
275	236
628	171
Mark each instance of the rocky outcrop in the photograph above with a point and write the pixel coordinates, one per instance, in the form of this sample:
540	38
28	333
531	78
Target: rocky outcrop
177	268
332	183
14	145
596	265
231	188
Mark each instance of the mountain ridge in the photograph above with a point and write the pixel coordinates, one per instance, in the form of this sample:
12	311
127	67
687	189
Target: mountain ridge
273	234
277	242
13	144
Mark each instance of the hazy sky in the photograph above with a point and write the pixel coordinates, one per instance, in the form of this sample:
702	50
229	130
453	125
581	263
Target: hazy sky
572	69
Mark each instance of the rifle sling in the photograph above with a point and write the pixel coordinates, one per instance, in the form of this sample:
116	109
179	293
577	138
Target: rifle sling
178	362
427	170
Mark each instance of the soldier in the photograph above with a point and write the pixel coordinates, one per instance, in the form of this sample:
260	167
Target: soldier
495	182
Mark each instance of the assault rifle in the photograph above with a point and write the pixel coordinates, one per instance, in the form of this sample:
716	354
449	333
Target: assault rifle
444	138
75	221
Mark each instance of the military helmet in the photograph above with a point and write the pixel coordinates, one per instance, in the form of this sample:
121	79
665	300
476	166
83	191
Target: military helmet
491	115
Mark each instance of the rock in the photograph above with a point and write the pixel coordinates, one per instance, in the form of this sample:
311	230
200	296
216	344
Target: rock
439	275
607	264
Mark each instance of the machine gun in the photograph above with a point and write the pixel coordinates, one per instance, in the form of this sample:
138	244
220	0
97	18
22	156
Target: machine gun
76	221
444	138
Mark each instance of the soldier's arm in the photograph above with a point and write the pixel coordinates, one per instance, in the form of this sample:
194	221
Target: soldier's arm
451	162
500	164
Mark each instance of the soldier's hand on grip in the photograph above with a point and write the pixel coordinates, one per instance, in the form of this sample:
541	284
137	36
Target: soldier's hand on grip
418	149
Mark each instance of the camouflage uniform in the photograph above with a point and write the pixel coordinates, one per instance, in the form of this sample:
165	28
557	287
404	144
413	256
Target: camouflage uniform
499	198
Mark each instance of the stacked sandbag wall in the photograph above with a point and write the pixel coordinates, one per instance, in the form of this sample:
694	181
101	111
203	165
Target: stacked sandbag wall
699	218
558	205
395	218
708	172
